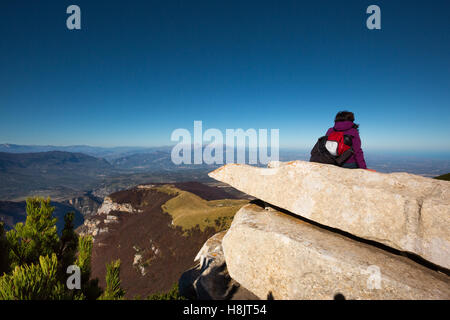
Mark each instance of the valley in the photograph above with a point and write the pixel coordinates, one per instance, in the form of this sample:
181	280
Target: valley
156	231
78	178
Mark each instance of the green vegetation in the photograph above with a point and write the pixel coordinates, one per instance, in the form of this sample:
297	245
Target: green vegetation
37	237
445	177
34	259
33	282
173	294
189	210
113	290
4	251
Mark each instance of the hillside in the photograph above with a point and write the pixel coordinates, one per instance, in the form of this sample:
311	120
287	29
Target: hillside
43	172
445	177
189	210
156	231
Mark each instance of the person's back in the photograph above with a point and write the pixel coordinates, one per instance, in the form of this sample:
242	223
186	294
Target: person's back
344	122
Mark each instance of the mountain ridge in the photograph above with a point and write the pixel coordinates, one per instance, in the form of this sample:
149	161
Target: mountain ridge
134	226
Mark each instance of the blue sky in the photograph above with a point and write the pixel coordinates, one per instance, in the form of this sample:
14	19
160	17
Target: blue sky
140	69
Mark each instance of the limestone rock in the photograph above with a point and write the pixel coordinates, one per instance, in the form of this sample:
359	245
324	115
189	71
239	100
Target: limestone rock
109	205
274	254
94	224
89	227
211	251
209	279
404	211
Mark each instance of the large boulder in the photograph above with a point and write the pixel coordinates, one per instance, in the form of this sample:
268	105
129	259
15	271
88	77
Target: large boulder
404	211
278	256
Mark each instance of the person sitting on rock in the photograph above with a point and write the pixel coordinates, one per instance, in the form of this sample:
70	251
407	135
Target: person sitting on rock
344	122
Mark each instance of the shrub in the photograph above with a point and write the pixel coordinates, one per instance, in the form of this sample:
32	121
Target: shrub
34	259
33	282
113	290
173	294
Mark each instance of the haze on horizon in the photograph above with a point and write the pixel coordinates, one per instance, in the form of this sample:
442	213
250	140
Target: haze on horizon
138	70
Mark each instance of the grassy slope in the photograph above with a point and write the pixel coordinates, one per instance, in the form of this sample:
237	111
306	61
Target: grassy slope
188	210
445	177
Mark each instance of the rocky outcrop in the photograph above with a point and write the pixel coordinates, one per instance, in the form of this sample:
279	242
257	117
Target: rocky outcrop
403	211
276	255
209	278
87	204
109	205
106	215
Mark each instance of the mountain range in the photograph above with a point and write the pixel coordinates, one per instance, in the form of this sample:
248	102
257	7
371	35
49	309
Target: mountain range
69	172
103	152
39	173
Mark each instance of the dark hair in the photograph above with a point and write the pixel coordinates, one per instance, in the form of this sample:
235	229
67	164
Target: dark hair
346	116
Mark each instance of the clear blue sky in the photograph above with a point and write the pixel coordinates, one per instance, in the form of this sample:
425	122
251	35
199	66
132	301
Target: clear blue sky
140	69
